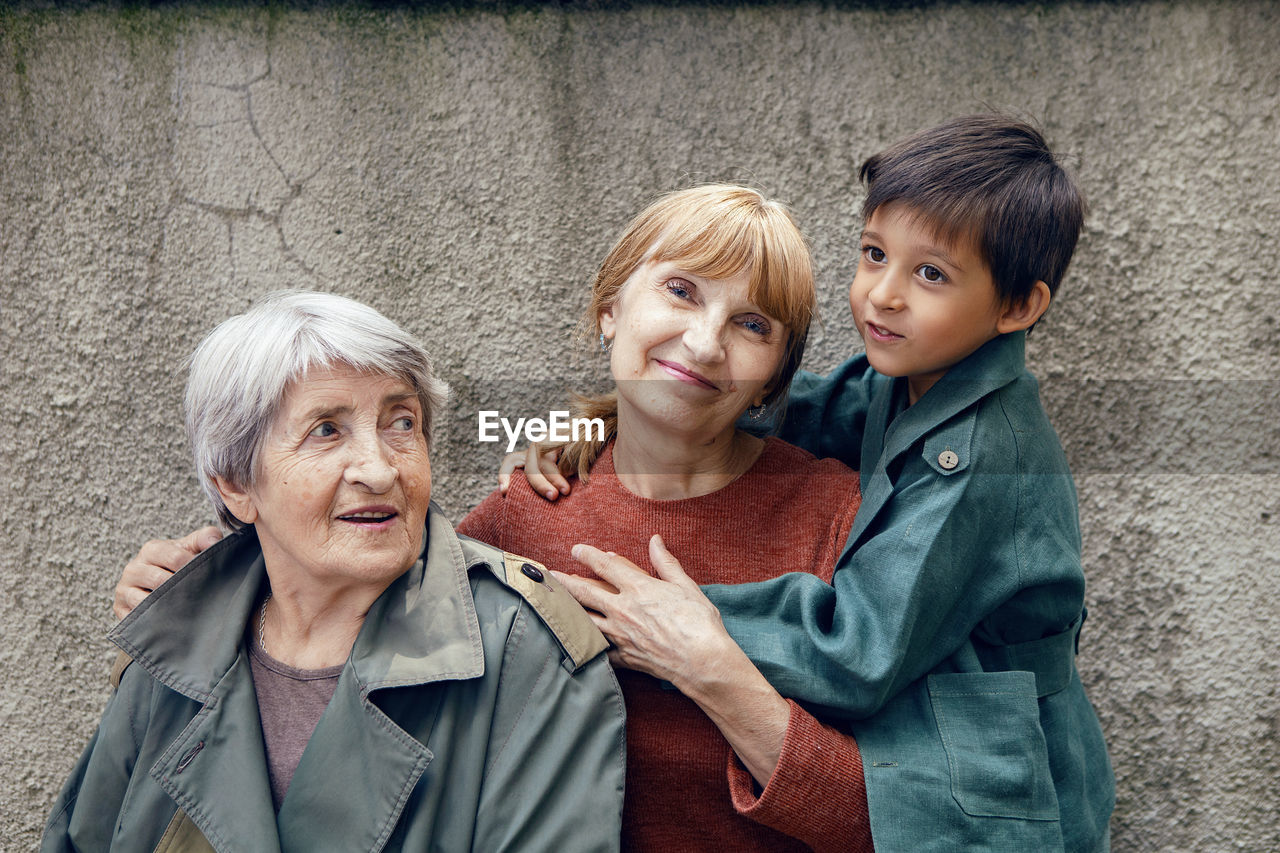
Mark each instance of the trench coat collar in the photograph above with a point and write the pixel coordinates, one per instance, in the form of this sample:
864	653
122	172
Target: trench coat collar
891	433
187	633
188	636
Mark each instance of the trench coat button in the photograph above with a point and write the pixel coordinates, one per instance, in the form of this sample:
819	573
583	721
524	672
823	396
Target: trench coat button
948	460
532	572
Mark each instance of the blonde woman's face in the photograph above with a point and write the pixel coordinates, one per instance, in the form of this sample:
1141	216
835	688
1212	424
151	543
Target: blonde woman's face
690	354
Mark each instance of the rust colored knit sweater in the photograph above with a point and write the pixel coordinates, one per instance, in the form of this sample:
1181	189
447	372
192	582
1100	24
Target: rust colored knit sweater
686	790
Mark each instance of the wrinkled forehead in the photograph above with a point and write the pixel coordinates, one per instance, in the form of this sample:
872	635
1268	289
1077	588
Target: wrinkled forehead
321	387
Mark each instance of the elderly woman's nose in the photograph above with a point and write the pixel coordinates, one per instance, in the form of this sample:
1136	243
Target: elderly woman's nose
370	464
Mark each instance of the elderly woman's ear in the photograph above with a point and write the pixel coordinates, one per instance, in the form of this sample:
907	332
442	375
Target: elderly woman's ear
237	500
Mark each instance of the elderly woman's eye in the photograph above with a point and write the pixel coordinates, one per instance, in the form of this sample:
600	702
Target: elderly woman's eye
324	430
403	423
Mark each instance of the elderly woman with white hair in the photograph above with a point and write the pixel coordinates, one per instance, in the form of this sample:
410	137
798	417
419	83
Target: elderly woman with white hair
343	672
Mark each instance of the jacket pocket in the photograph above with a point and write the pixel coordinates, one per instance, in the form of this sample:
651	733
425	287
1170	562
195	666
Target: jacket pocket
996	752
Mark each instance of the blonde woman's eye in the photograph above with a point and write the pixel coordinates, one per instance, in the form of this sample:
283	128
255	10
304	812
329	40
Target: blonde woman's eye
932	274
756	324
680	288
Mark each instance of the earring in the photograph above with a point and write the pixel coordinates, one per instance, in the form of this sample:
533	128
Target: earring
755	413
605	344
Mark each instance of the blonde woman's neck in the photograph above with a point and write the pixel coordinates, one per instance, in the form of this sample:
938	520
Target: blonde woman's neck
657	464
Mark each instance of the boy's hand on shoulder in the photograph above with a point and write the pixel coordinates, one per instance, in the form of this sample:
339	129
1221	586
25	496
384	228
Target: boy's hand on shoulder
539	469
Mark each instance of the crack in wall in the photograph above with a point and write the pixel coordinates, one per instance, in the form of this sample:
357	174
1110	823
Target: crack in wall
272	216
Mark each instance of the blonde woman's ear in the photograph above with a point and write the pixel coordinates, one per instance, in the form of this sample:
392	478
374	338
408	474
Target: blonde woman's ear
608	327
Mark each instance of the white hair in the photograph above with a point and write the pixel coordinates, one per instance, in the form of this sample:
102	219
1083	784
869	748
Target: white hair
239	374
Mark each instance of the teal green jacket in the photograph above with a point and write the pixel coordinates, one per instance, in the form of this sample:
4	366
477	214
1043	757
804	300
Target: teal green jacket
461	721
949	632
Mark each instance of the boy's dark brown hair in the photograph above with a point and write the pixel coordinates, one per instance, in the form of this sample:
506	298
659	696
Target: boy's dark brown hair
993	179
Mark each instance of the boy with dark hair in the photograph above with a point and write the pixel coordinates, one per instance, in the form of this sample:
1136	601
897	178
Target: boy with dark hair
949	632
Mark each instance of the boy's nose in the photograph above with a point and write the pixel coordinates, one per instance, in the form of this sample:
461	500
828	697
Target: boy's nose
886	294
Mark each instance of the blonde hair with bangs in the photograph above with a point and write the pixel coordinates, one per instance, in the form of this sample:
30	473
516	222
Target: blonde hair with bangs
714	231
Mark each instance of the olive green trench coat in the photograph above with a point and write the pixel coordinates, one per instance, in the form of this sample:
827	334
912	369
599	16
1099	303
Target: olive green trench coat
460	722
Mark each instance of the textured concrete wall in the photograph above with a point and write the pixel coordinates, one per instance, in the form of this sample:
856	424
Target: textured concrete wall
464	169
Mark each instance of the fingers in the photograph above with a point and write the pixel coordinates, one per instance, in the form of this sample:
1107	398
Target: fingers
539	468
155	563
126	598
549	468
168	554
608	566
664	562
543	475
200	540
510	463
592	594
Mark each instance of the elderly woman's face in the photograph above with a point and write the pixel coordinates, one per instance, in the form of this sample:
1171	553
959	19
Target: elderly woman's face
343	480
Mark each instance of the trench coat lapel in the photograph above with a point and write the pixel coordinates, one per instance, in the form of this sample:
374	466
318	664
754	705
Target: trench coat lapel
890	433
188	635
216	769
360	766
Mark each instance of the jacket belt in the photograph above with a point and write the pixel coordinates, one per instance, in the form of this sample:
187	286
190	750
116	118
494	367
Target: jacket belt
1051	659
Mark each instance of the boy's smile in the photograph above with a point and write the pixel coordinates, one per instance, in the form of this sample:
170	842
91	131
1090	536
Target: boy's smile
921	303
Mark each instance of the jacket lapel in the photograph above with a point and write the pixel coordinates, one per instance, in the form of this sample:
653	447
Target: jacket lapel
191	642
216	769
890	433
360	766
354	778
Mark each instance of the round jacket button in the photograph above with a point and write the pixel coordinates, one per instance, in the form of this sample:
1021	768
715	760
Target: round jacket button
532	572
948	460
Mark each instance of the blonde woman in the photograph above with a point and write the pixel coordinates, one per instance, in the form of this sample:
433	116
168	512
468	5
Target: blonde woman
702	306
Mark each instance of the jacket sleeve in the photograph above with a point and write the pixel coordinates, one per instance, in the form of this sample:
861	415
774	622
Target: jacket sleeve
826	415
818	764
939	558
85	813
555	770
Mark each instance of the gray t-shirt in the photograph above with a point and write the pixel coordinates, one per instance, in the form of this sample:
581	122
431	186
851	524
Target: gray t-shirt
290	702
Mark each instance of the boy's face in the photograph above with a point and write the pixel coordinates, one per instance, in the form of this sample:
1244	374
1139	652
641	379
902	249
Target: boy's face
921	304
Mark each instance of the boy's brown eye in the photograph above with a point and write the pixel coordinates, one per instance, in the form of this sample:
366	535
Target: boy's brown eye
875	254
931	273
